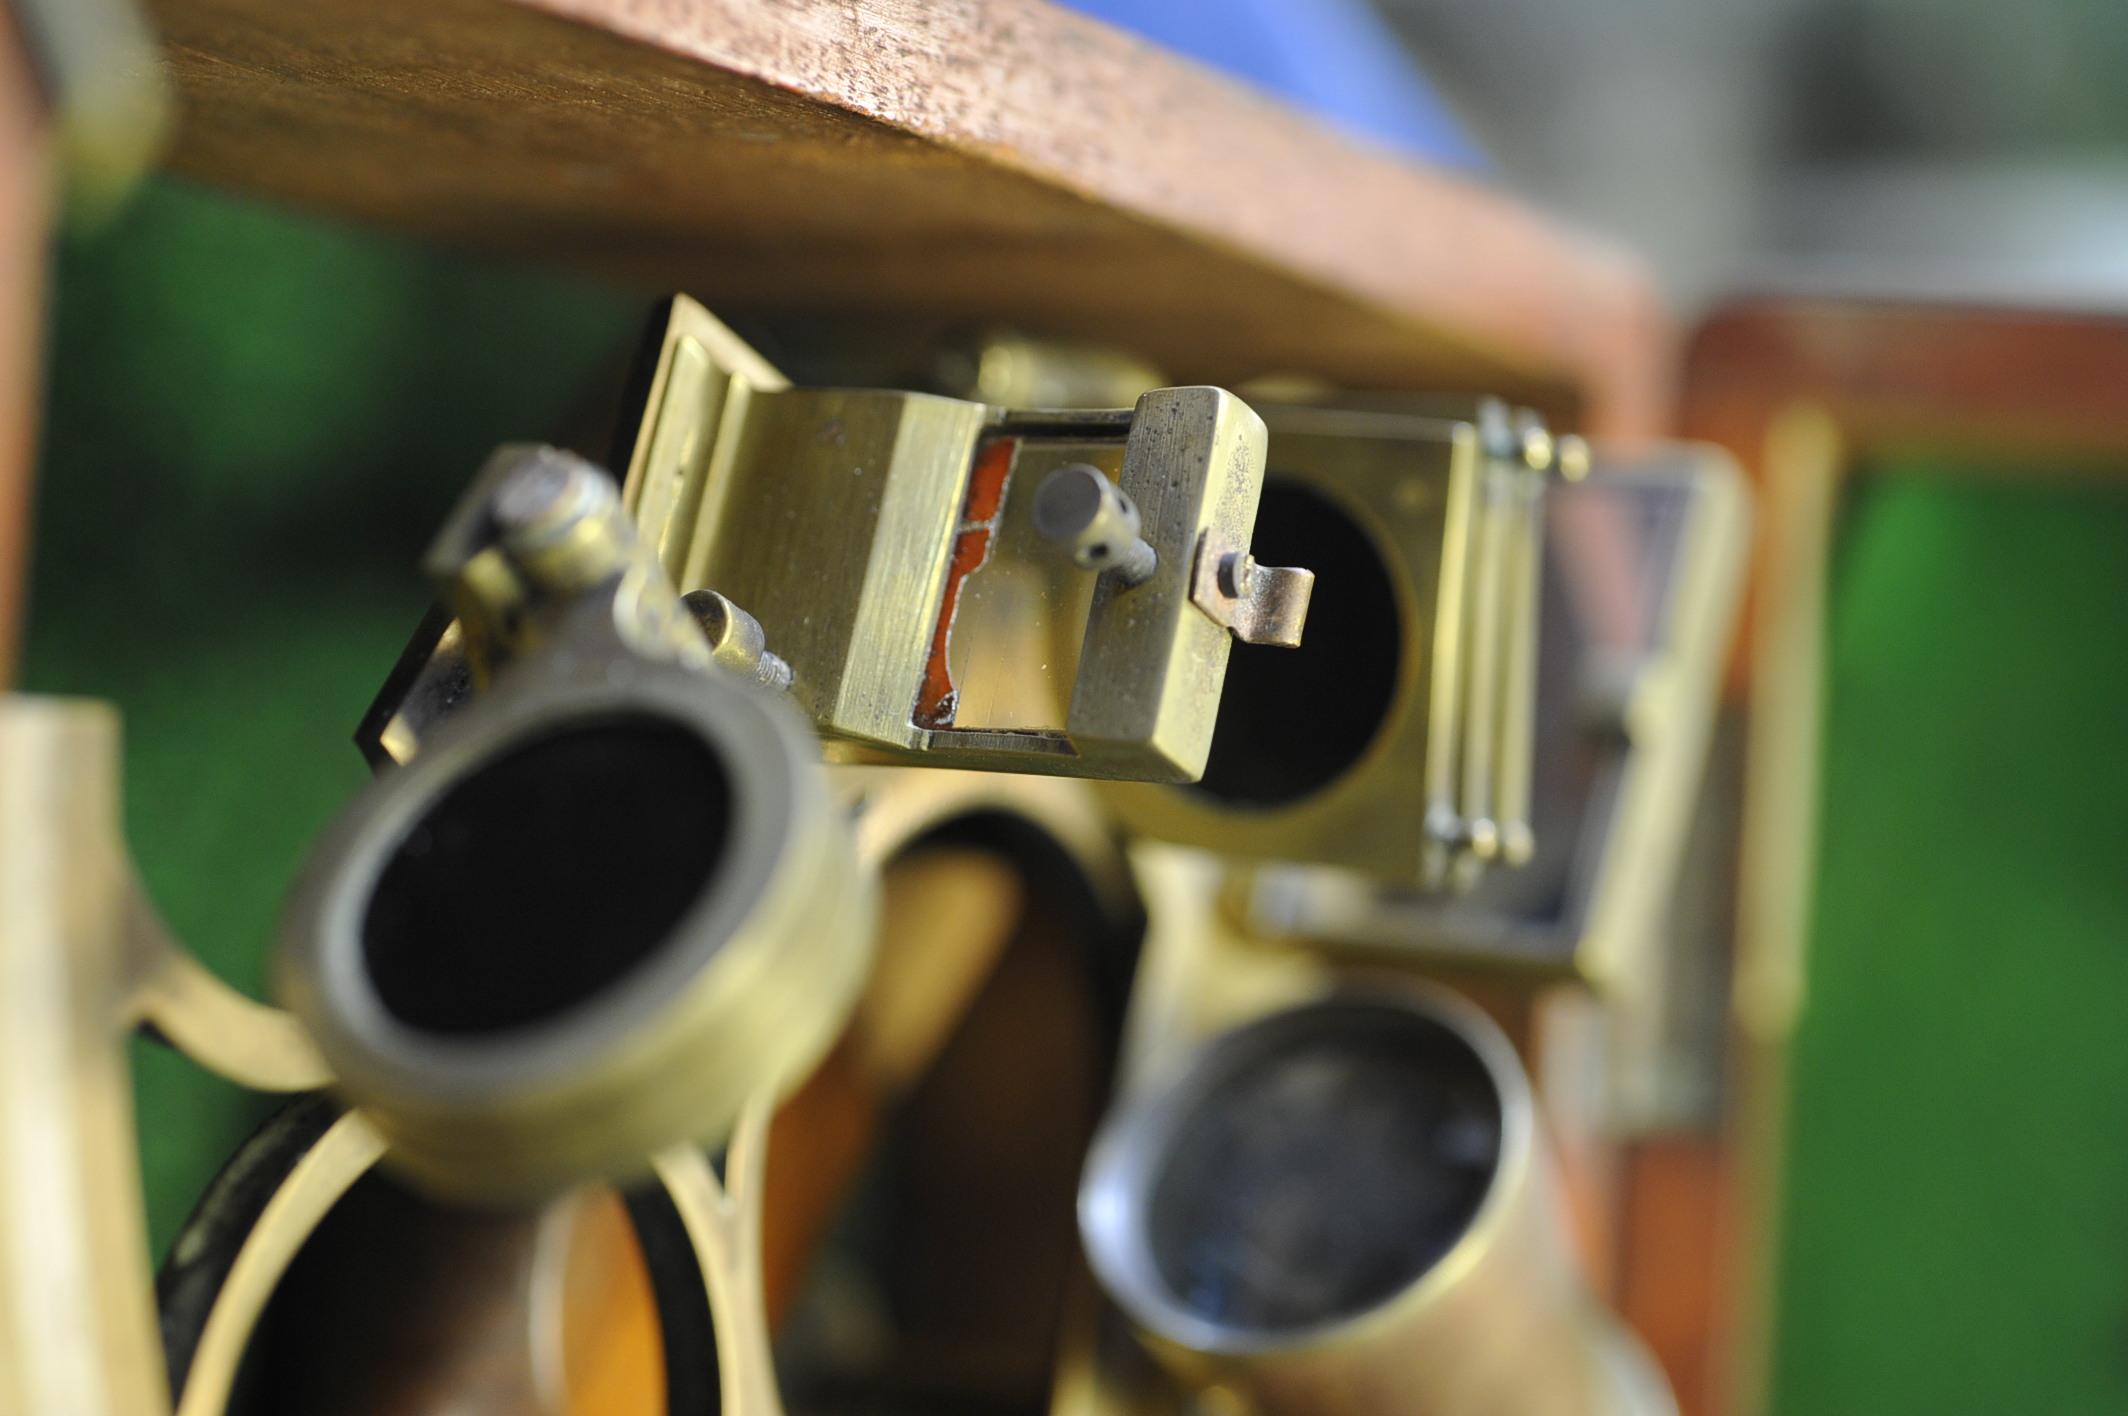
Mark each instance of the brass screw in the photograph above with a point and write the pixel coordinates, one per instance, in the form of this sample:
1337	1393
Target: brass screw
1574	457
736	639
547	497
559	520
1538	449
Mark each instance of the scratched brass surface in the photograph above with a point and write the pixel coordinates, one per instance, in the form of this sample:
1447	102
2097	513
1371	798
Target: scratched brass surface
838	519
1407	485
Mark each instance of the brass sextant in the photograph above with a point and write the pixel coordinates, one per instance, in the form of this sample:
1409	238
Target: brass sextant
612	895
949	583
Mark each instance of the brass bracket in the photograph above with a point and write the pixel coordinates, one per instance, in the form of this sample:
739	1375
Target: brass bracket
1261	604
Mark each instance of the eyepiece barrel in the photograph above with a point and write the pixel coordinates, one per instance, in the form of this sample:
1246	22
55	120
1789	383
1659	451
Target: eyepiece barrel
605	904
1345	1209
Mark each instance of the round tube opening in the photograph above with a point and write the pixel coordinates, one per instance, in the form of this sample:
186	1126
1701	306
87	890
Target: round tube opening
1326	1162
1292	721
546	874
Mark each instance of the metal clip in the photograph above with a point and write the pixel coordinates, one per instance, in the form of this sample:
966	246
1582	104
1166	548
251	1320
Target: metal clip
1261	604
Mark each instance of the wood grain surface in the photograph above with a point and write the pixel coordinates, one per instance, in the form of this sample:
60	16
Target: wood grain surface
2028	389
25	182
930	161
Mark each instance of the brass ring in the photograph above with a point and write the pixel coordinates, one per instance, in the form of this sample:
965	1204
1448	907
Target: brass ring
694	889
1345	1209
278	1188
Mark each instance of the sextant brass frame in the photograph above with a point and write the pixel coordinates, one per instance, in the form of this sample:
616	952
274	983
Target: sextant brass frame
84	962
837	516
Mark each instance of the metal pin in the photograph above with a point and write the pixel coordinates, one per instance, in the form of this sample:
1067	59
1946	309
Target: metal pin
1538	447
736	639
1574	457
559	520
1081	510
548	496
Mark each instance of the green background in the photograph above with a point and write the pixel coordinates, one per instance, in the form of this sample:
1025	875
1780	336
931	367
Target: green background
1956	1233
256	419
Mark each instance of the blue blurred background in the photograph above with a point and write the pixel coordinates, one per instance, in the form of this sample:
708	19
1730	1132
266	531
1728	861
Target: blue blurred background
1927	145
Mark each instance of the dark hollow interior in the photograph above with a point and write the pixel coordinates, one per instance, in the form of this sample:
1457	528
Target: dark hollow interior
546	875
1292	720
1325	1175
959	1237
399	1306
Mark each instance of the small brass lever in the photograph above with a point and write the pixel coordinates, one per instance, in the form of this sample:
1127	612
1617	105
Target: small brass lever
1261	604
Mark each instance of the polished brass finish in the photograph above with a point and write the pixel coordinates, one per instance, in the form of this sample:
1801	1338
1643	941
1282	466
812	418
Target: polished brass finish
1009	654
1198	975
901	1021
876	539
469	1135
229	1034
538	531
1486	816
77	1326
1006	369
734	987
897	1026
1505	829
84	960
858	526
1651	546
1498	1322
886	500
835	531
723	1219
540	1309
925	583
1203	975
1438	788
736	640
1201	970
750	986
700	385
1146	693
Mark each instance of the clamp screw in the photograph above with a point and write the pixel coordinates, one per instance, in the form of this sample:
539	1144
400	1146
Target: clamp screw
1081	510
548	496
736	639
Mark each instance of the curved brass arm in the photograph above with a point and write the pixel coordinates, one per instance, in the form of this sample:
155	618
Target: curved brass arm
724	1224
249	1043
83	960
342	1156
